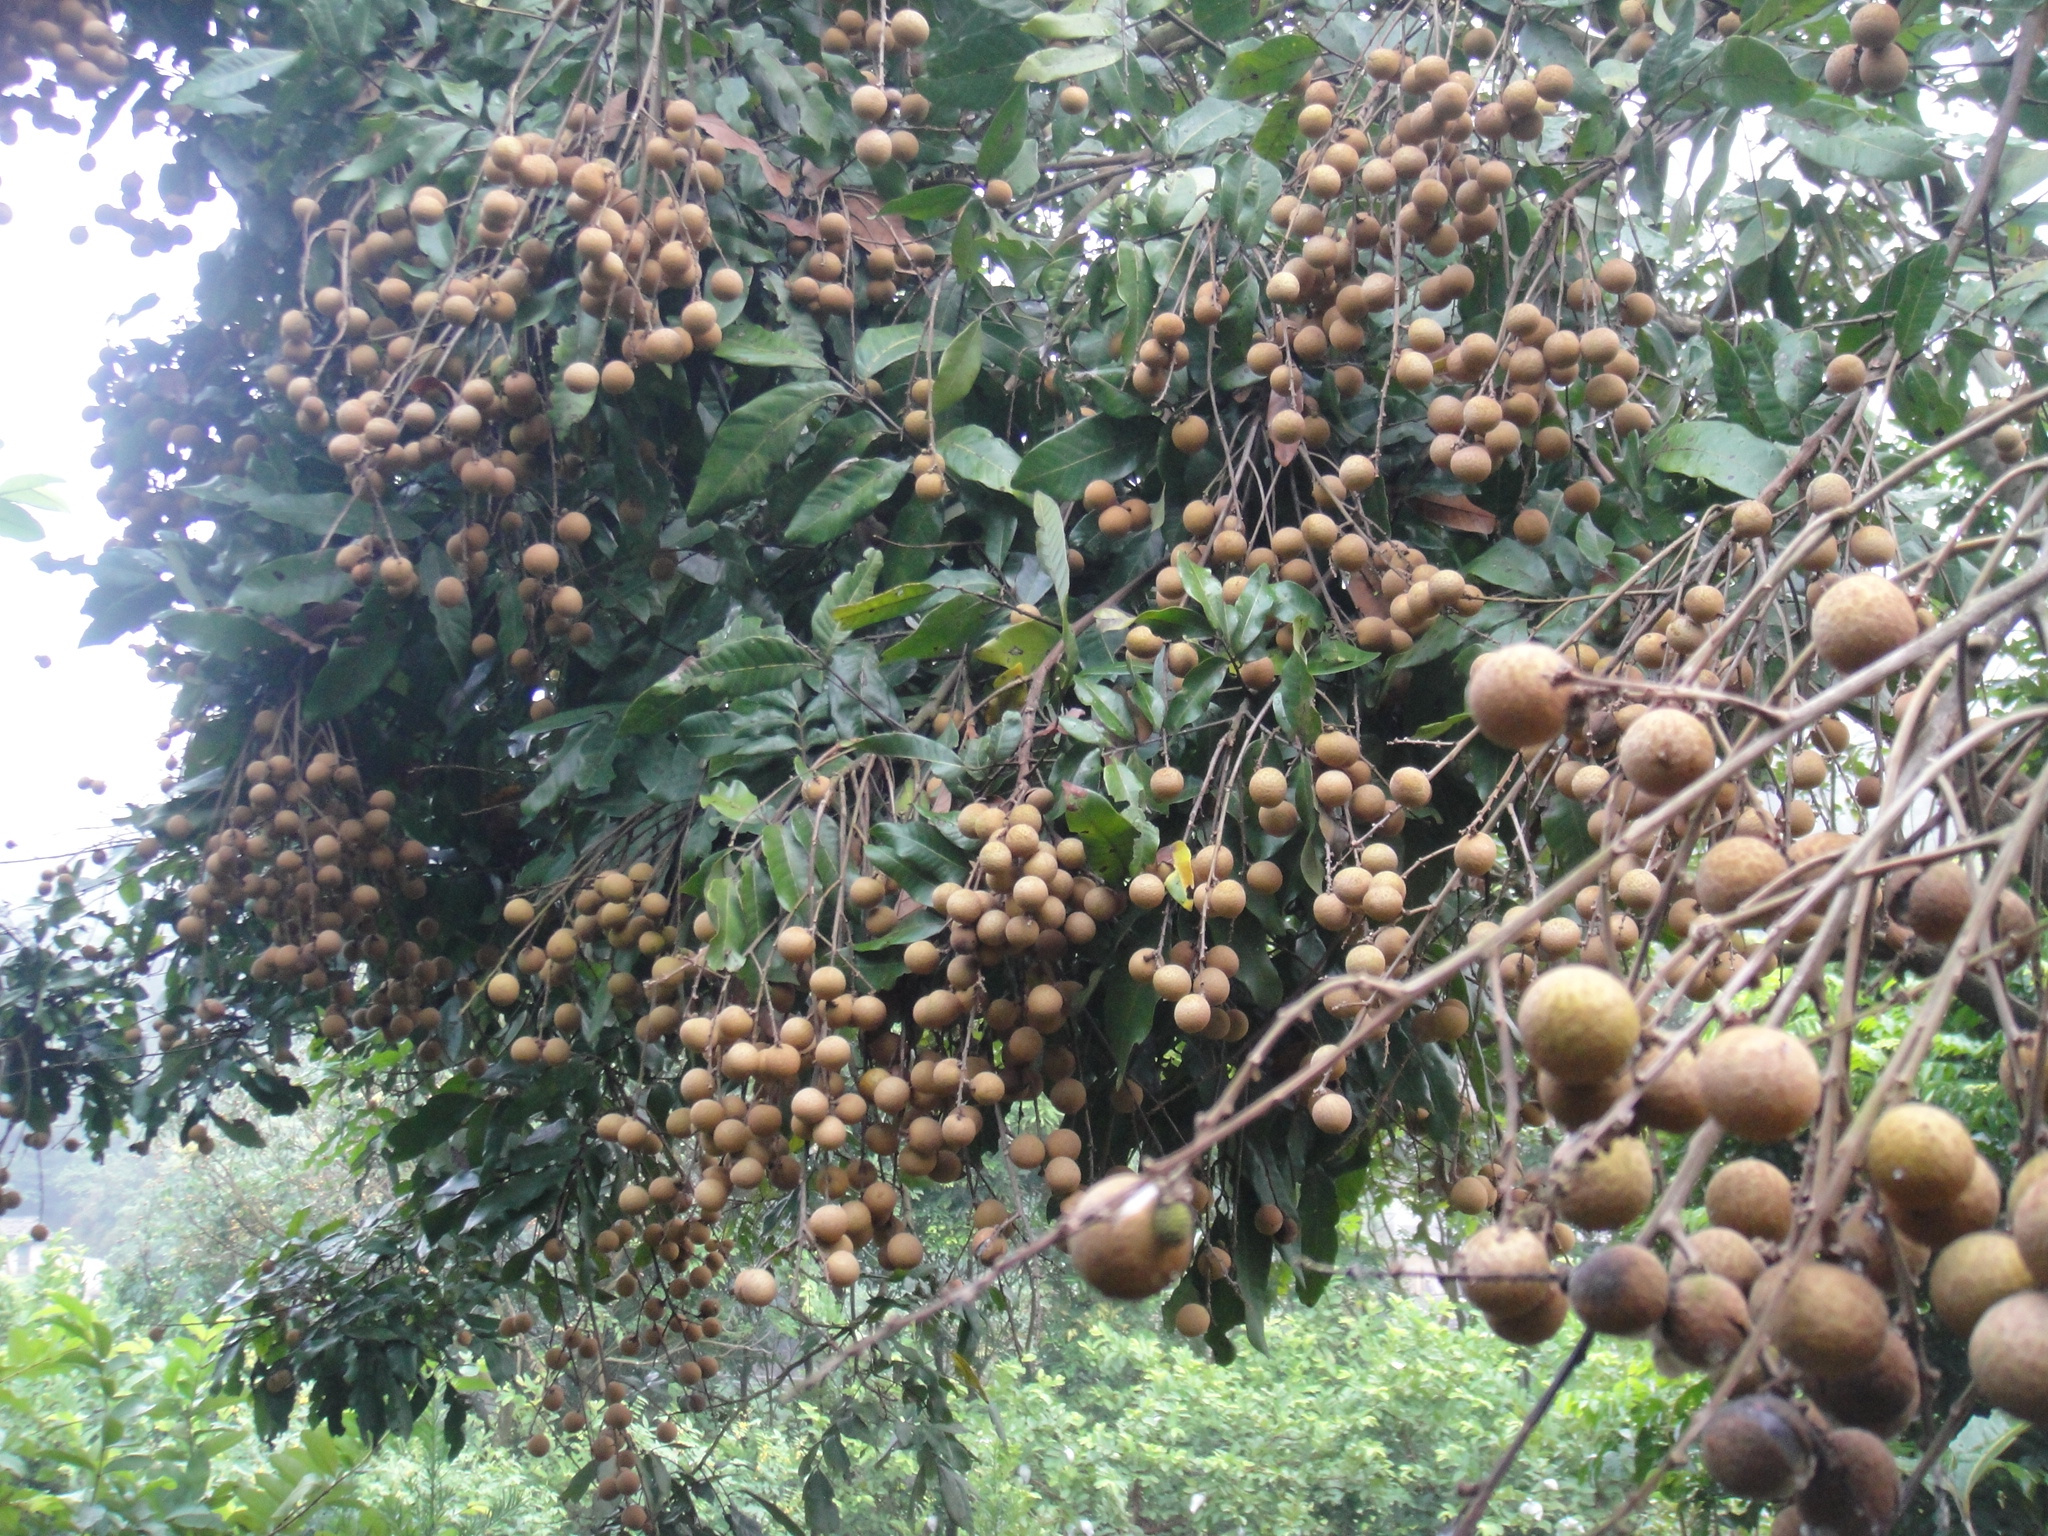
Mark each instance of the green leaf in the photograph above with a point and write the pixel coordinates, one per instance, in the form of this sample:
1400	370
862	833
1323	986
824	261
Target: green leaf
759	347
567	408
282	587
753	442
1721	452
227	73
429	1126
1512	564
1020	647
1914	291
940	202
1095	448
354	673
916	749
1004	135
975	453
1881	151
882	345
916	856
1208	123
16	521
1128	1007
1050	64
731	669
959	367
1748	72
1278	133
1277	64
947	628
1070	26
847	495
1051	545
1105	832
883	606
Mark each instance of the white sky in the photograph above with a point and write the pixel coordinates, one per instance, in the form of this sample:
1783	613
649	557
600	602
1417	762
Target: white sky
91	713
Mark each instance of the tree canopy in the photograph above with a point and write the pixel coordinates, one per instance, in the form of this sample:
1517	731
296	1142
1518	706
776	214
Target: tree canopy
815	653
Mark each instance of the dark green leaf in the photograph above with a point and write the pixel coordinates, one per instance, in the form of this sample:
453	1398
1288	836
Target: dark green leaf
1128	1006
1003	136
1512	564
284	586
846	496
1721	452
940	202
759	347
432	1124
1274	65
959	367
946	629
883	606
1096	448
752	444
1050	64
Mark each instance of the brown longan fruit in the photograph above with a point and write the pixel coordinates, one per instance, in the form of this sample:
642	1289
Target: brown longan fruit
1761	1084
1752	1197
1938	904
1705	1321
1576	1104
1882	1397
1505	1270
1519	695
1733	871
1622	1289
1666	750
1611	1189
1725	1252
1825	1319
755	1287
1874	25
1882	71
1919	1156
1473	1194
1579	1023
1191	1321
1134	1240
1758	1447
1539	1323
1855	1483
1860	620
2009	1355
1972	1274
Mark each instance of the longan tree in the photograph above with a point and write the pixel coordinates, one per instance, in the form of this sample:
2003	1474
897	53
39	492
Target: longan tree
818	653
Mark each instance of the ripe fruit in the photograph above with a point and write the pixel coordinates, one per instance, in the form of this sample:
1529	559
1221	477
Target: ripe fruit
1665	750
1609	1190
1752	1197
1919	1156
1133	1240
1191	1320
1725	1252
1579	1023
1506	1271
755	1287
1733	871
1826	1320
2009	1355
1622	1289
1855	1485
1761	1084
1519	695
1758	1447
1939	902
1883	1396
1972	1274
1705	1321
1860	620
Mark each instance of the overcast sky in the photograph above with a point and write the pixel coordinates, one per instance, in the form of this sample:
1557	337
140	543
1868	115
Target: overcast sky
90	713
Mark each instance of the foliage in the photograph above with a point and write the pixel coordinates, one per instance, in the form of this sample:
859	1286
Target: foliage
669	516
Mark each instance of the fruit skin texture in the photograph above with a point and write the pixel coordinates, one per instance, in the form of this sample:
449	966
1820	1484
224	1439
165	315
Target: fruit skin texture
1622	1289
1506	1270
1733	870
1138	1241
1882	1397
1939	903
1860	619
2009	1355
1579	1023
1671	1100
1919	1156
2030	1230
1705	1320
1936	1226
1752	1197
1758	1447
1540	1322
1665	750
1973	1274
1828	1320
1725	1252
1610	1190
1854	1490
1514	695
1761	1084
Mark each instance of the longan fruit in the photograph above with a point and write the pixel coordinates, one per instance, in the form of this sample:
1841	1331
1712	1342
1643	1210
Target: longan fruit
1761	1084
1861	619
1519	696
